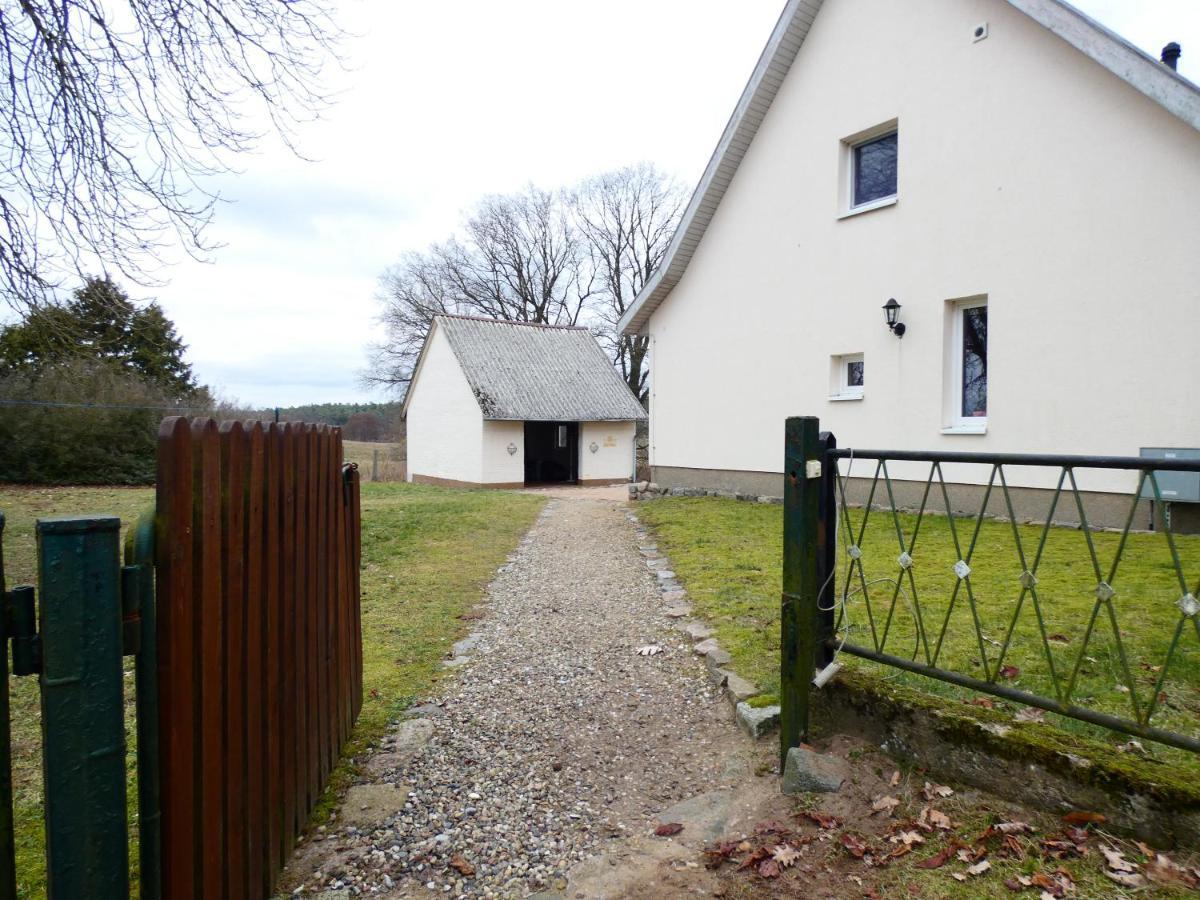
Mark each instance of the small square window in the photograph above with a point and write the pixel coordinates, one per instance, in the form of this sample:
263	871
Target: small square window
848	377
874	164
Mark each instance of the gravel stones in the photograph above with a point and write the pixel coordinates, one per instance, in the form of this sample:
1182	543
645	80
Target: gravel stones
552	739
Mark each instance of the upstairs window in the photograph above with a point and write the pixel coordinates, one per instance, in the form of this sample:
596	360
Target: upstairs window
874	165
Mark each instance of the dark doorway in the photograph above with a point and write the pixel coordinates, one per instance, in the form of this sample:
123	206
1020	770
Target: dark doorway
551	452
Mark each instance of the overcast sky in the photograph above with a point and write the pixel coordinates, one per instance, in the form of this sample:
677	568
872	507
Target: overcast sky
445	102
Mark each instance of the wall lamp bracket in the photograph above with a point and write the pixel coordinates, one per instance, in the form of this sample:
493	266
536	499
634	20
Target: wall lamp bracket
891	310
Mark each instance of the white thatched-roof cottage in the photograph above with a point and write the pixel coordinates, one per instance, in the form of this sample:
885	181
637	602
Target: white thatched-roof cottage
506	404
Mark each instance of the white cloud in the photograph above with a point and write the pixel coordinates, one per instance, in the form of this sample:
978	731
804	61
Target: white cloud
444	102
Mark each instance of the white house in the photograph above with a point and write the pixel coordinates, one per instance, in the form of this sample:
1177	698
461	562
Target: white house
1024	183
505	404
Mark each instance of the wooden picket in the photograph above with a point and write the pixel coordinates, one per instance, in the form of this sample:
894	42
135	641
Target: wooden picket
260	644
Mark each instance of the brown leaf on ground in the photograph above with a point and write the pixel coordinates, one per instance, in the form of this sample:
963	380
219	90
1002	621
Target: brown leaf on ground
667	829
1116	860
1164	870
1055	848
1132	747
771	827
1030	714
1047	884
1059	639
1012	828
907	837
1127	879
854	844
1079	835
1084	818
719	854
1010	672
884	805
768	868
1017	884
461	866
1011	848
820	819
984	703
930	818
752	861
895	780
785	855
930	791
940	858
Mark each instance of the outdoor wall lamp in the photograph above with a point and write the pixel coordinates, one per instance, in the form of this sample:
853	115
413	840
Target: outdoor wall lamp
891	309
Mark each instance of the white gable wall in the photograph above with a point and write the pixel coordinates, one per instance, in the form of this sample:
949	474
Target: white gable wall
445	424
1028	174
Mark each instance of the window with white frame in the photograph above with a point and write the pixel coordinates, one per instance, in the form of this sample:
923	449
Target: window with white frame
967	357
870	166
848	377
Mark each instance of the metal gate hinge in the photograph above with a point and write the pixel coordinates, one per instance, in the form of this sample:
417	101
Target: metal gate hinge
21	616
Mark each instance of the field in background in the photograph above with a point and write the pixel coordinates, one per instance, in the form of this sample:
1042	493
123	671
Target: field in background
428	554
377	461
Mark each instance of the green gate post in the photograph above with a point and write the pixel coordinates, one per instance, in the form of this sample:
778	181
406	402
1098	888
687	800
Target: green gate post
139	571
8	865
83	726
802	491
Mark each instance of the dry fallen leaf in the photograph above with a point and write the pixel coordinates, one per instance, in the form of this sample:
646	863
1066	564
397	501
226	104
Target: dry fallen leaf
768	868
1059	639
939	859
1014	828
820	819
785	855
884	805
1030	714
1164	870
984	702
895	778
1132	747
979	868
930	791
931	818
907	837
1116	860
668	828
1010	672
1128	879
460	865
649	650
854	844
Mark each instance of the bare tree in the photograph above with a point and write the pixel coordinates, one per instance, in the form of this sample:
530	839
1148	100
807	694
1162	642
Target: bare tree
519	259
113	112
626	219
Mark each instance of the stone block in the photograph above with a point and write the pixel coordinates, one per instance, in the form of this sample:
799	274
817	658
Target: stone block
809	772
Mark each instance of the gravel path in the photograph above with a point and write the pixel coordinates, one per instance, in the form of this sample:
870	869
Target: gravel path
555	738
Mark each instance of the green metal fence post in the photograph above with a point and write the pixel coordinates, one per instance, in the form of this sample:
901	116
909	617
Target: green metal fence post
139	556
801	579
83	727
8	866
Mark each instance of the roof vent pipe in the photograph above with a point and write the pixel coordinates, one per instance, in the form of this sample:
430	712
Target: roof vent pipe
1171	54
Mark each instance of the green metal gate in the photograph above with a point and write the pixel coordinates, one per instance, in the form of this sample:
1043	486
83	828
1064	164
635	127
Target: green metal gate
90	612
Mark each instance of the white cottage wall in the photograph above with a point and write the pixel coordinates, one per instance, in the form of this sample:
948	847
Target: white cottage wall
1027	174
499	466
445	424
613	459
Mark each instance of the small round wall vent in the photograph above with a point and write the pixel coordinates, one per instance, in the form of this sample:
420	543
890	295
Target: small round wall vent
981	31
512	449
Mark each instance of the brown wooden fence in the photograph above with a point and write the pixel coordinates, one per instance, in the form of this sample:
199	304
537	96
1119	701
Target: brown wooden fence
259	649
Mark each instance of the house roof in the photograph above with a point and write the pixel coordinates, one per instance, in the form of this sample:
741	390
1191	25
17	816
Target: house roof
1142	71
526	372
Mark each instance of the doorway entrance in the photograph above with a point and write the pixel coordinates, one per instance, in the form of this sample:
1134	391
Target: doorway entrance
551	452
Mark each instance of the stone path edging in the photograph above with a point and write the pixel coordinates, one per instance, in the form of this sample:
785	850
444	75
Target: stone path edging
754	721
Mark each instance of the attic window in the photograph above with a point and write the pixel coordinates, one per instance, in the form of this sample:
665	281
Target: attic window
870	169
875	169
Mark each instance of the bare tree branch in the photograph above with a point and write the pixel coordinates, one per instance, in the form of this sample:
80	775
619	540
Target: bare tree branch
113	111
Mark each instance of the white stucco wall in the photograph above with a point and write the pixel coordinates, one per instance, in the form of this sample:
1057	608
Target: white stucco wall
445	425
499	466
613	458
1027	173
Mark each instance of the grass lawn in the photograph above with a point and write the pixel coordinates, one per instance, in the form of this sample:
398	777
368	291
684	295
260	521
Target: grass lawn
391	459
729	556
428	553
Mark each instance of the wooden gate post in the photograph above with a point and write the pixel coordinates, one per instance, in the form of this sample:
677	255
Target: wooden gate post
801	578
83	723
